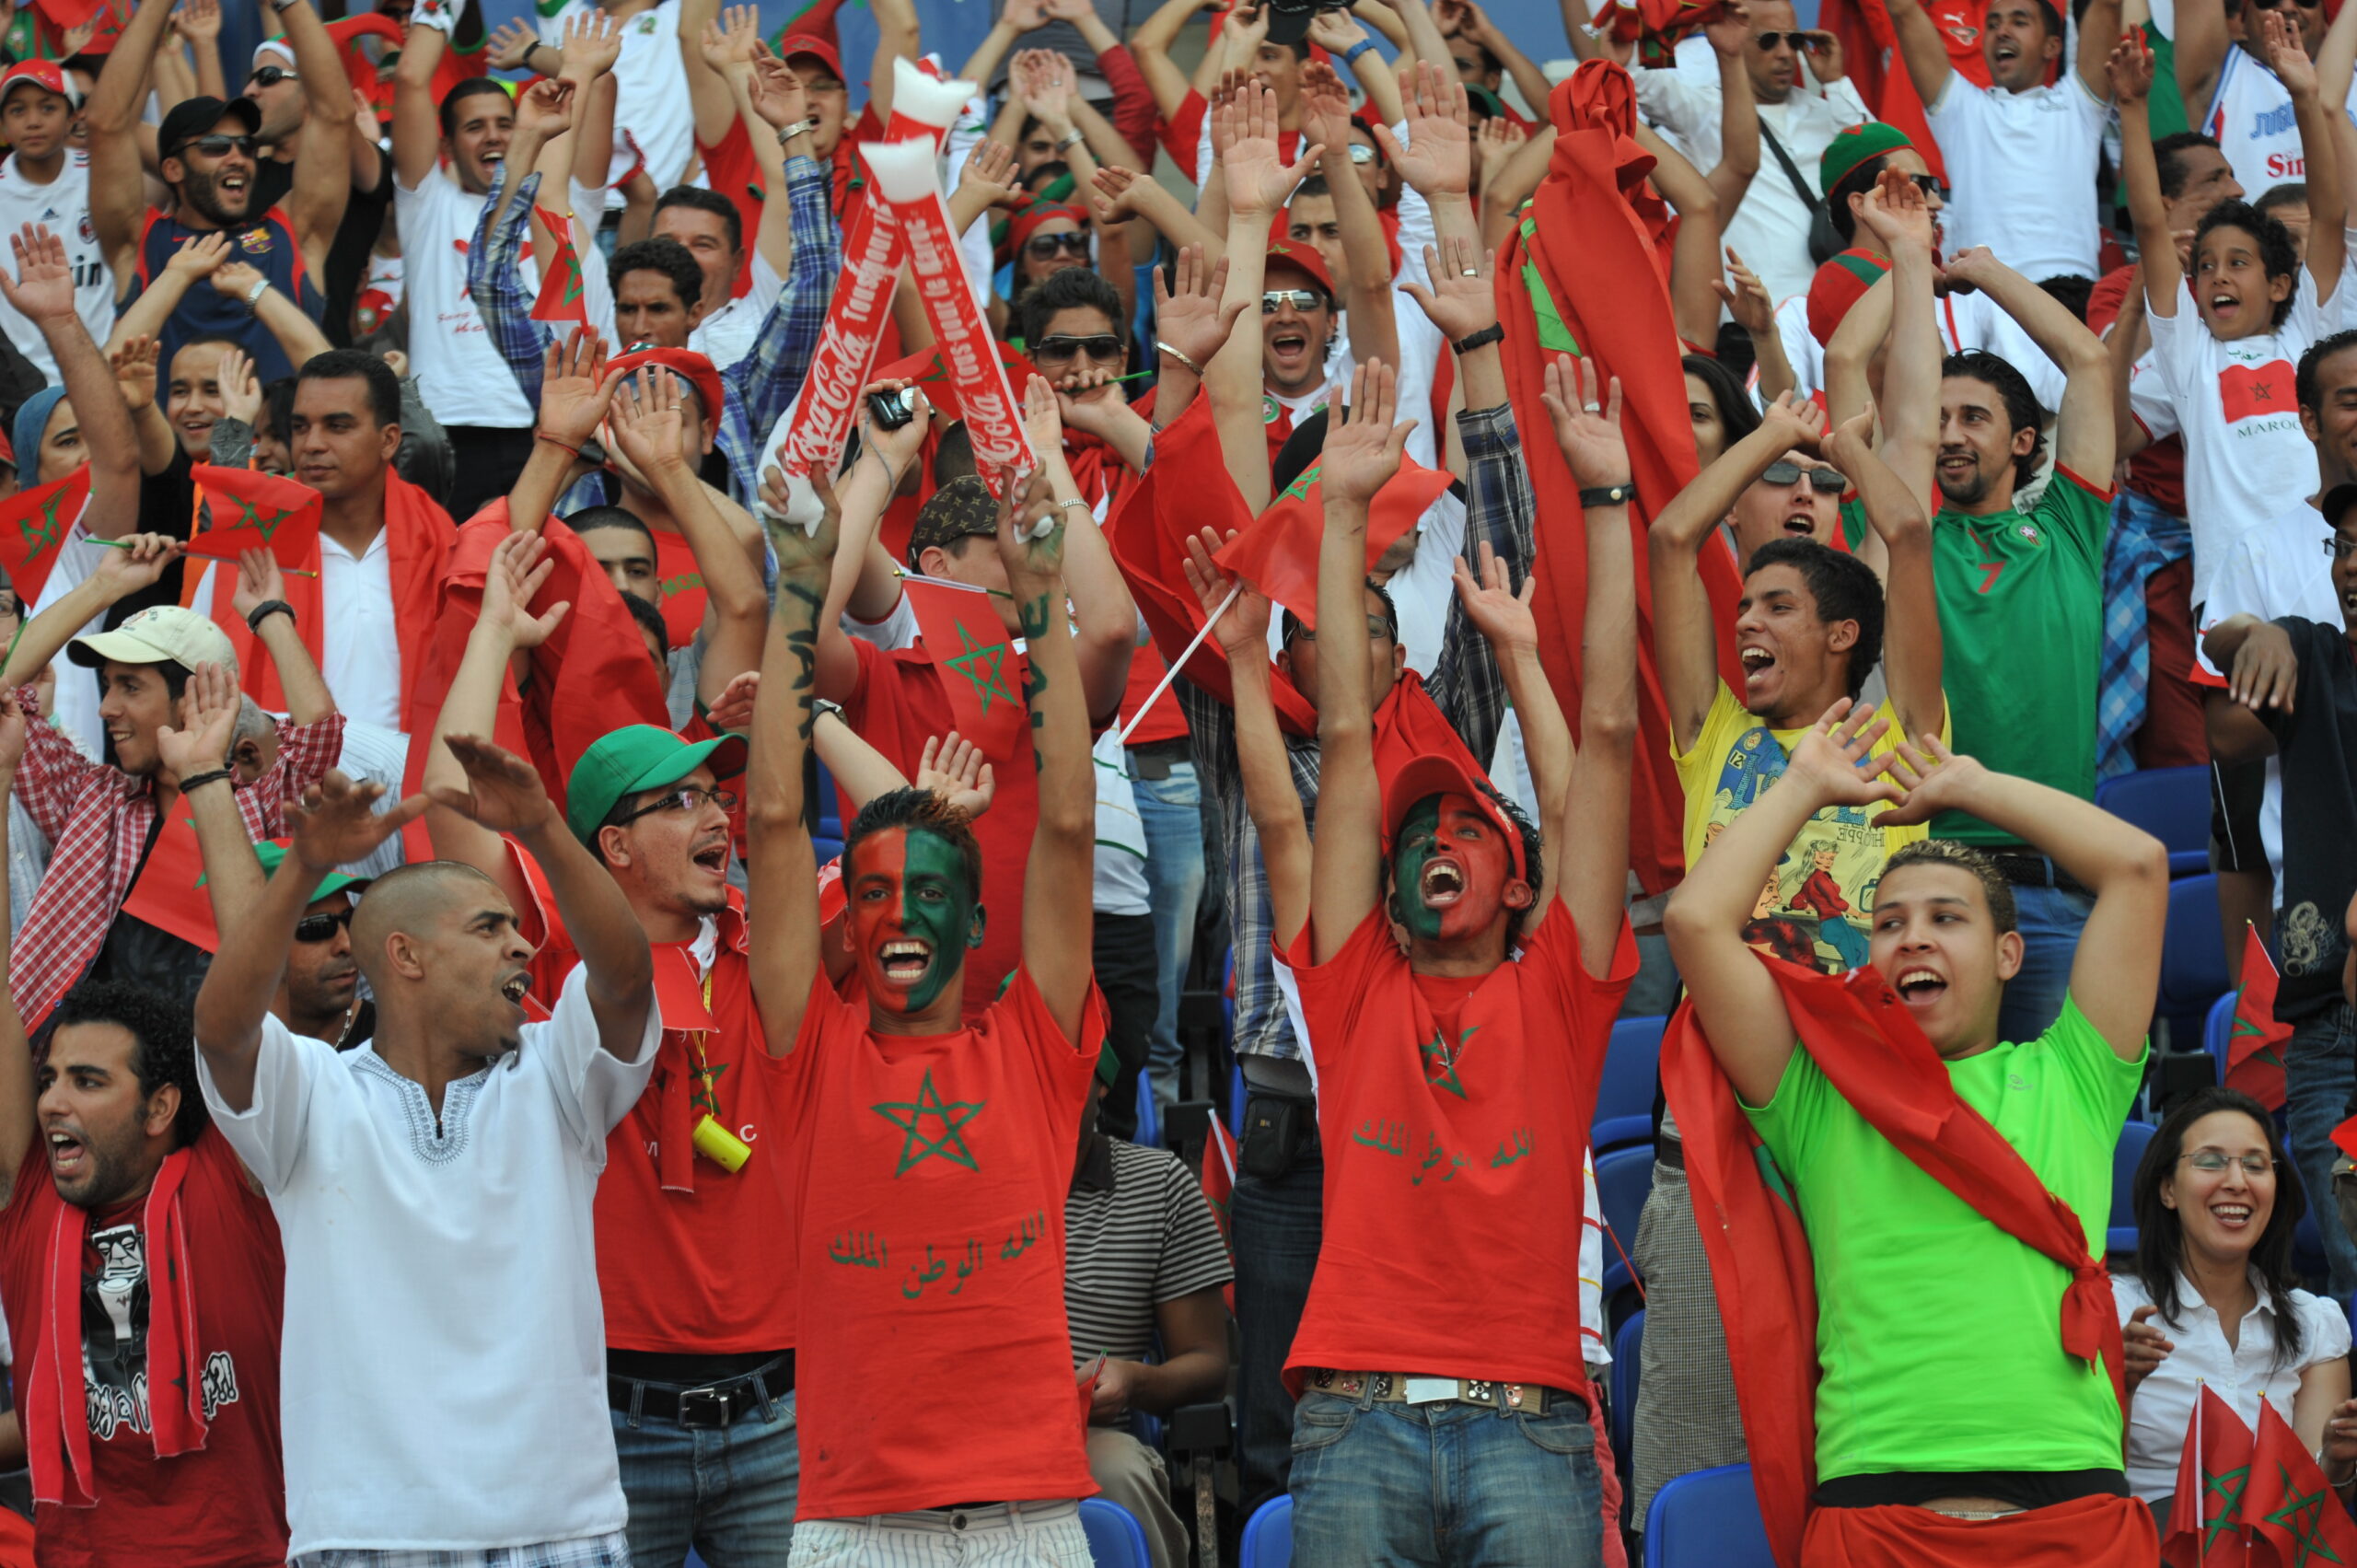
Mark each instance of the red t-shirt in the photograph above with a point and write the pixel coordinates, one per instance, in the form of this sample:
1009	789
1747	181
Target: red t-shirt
936	1363
898	705
1453	1170
732	171
223	1505
685	1272
680	581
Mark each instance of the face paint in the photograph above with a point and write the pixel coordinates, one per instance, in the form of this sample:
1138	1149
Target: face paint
911	914
1451	867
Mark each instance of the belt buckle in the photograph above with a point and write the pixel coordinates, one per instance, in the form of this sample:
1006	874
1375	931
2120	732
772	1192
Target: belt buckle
694	1402
1428	1390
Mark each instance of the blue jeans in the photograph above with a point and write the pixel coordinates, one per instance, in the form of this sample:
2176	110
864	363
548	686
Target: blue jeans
2049	921
1278	1226
1171	810
2319	1067
1444	1486
728	1492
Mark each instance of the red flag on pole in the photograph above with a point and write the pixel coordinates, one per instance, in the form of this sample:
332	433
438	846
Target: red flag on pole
169	892
2206	1528
1278	553
2289	1506
2255	1052
251	510
560	295
34	524
980	668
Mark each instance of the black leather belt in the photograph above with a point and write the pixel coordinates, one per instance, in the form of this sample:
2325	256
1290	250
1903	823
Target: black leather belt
1155	759
2038	871
712	1405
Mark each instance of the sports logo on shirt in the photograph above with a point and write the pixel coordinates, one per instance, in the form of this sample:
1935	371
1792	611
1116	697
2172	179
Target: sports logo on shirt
89	235
2250	392
255	242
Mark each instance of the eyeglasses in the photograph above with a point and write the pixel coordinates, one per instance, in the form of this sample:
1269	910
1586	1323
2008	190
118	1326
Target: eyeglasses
314	928
687	797
1062	349
2213	1161
1825	481
216	146
1362	153
1300	300
1044	247
271	76
2340	549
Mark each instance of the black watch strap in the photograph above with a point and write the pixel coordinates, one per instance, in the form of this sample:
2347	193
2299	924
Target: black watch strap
264	611
1619	495
1493	333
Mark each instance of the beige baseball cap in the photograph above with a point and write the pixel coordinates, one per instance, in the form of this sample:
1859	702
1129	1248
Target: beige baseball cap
163	634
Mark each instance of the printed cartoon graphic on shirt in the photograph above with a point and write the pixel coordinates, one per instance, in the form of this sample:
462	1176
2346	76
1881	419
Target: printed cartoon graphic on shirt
1814	909
114	1339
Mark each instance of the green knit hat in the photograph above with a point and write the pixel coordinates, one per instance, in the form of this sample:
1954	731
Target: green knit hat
1870	138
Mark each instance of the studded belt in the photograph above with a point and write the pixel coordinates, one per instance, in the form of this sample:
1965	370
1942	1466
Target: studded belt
1408	1388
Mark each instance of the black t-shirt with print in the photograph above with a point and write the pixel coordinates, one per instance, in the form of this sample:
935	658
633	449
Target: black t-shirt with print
2318	740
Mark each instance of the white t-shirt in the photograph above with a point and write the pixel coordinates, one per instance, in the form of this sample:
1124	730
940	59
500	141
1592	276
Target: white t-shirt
64	205
2246	457
726	334
459	371
1421	346
443	1378
2022	170
1117	884
655	121
360	647
2250	115
2242	1374
1965	321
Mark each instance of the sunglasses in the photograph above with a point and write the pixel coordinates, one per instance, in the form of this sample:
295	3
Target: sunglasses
271	76
1825	481
1044	247
1300	300
1062	349
1930	185
1768	41
1362	153
315	928
217	146
687	797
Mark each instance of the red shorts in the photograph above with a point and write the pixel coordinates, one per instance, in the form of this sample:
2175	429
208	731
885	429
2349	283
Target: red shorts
2088	1532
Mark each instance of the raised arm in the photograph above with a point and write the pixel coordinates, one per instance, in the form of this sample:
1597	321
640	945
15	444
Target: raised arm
2082	427
19	1095
1150	47
2200	43
1894	211
1103	618
120	572
1920	46
1741	1010
323	156
260	582
417	122
1529	79
1694	278
1911	650
1731	176
701	40
2116	973
43	294
1363	451
2130	69
233	878
1326	119
118	190
768	97
896	37
1257	183
2099	25
2327	198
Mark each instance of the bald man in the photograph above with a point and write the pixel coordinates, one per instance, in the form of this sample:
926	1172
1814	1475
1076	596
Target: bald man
434	1186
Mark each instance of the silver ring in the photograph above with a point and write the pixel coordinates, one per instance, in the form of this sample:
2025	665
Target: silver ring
1473	271
1592	408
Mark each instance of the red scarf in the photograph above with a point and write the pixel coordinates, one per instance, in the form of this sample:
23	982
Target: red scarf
1860	1037
417	537
1584	274
57	1412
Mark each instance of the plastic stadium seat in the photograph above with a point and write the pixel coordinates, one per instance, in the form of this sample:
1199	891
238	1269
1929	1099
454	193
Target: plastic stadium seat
2193	955
1268	1535
1628	1359
1115	1538
1149	1114
1708	1520
2171	803
1623	1178
2218	1032
1624	1102
2125	1156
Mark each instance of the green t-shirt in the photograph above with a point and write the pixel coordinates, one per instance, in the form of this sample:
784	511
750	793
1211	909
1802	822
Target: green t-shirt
2021	625
1941	1336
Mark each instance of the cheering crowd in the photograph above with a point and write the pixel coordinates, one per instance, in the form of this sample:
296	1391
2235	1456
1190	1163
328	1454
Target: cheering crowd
582	595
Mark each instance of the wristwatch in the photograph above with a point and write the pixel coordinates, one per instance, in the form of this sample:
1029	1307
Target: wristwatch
794	128
1072	139
821	705
1493	333
253	294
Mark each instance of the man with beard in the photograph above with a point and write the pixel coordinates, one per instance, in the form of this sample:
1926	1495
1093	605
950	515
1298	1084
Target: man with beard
208	158
278	87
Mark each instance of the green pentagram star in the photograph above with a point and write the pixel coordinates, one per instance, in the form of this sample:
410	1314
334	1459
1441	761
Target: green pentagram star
2228	1487
1440	1063
51	523
2301	1518
980	664
908	1114
269	526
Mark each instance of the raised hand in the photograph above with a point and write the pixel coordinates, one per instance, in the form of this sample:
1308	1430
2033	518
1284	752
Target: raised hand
2286	55
43	289
510	45
1242	629
1463	298
1587	422
1437	159
135	371
1836	758
1824	51
504	792
1043	421
899	449
991	172
240	388
520	568
137	563
955	770
647	420
1934	778
1495	144
1025	16
1191	312
1336	32
259	581
1258	178
1030	534
1896	213
576	386
1324	102
1730	35
1500	612
2129	69
1851	444
198	21
1363	445
732	39
1797	421
544	109
1748	300
807	555
778	95
199	256
593	41
1044	79
207	713
337	821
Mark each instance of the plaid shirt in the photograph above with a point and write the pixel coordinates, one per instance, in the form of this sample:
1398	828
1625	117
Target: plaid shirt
1466	685
755	390
99	821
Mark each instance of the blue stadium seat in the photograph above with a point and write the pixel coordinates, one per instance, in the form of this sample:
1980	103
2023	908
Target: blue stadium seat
1708	1520
2218	1032
1268	1535
1115	1538
1149	1113
1627	1358
827	839
2171	803
1623	1178
2126	1154
2193	957
1624	1101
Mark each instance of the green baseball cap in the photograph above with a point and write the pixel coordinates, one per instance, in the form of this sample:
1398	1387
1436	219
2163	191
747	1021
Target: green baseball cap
637	756
1853	146
269	854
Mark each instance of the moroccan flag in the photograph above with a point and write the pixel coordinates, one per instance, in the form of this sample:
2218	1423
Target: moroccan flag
2289	1506
560	296
2206	1526
1219	1189
251	509
2255	1052
2246	391
1583	274
980	668
1277	554
169	892
34	524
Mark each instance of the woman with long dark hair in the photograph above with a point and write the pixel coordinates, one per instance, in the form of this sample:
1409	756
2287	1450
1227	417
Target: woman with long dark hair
2215	1301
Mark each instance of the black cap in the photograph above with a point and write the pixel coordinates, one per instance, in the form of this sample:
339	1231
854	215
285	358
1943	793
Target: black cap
963	508
191	117
1289	20
2337	500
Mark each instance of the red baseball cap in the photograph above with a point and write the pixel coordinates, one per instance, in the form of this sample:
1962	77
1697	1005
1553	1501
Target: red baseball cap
1436	773
44	73
816	47
690	366
1839	284
1302	254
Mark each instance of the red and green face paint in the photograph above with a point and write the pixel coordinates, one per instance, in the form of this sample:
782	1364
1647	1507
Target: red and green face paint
912	917
1452	867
